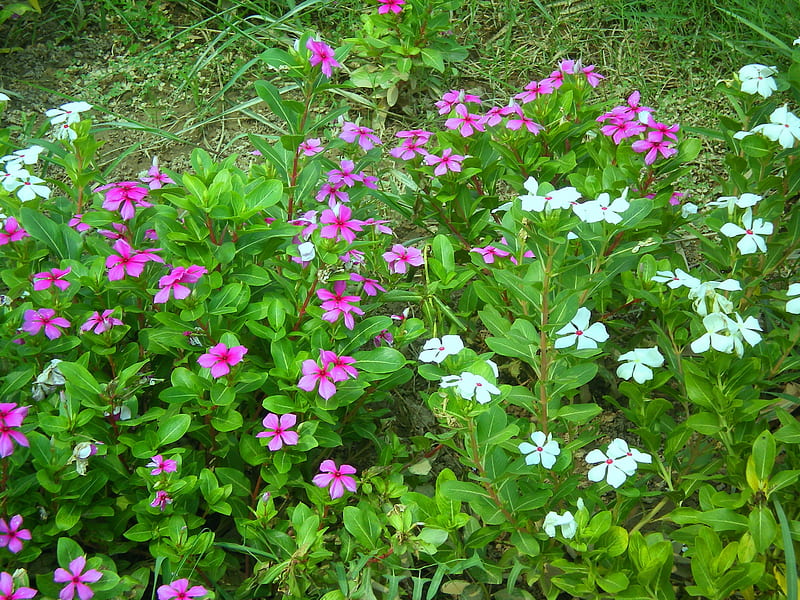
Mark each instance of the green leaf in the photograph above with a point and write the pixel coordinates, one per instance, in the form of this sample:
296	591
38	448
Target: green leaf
285	109
477	498
432	58
443	252
79	380
363	524
173	428
379	361
763	527
64	241
764	455
579	413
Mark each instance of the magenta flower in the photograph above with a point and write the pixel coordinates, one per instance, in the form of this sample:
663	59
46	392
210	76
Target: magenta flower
399	257
101	322
12	415
371	286
124	197
323	55
162	465
521	120
336	304
345	174
129	261
466	122
619	129
155	179
7	591
278	428
384	336
338	478
220	359
161	500
43	280
7	438
635	107
488	253
661	130
310	147
77	223
535	89
592	77
333	193
454	97
44	317
11	535
654	145
446	162
13	232
340	367
76	580
119	231
379	225
338	222
420	135
408	149
365	136
386	6
173	283
314	375
180	590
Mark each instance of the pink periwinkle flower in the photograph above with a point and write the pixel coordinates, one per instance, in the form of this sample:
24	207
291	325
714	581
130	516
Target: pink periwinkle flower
315	375
446	162
371	286
124	197
675	198
488	253
12	415
12	232
593	78
44	317
399	258
154	178
336	304
341	367
173	283
180	590
129	261
379	225
120	231
352	258
619	129
162	465
654	145
394	6
420	135
220	359
408	149
101	322
77	223
466	122
11	535
661	130
8	435
333	193
7	591
384	336
454	97
345	174
310	147
521	121
338	478
323	55
365	136
535	89
161	500
43	280
634	106
277	429
338	222
76	579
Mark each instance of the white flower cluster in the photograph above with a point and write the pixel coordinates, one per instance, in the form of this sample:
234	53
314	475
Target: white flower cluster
591	211
468	385
726	330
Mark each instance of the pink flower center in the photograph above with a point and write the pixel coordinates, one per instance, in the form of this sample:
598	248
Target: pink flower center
749	231
609	461
539	449
579	332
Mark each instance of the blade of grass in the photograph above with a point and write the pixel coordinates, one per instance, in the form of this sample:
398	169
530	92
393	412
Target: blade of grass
788	551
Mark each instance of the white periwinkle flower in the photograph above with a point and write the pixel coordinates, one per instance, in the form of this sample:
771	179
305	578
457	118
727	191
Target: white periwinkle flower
436	350
677	279
784	127
744	201
757	79
637	363
544	450
690	208
471	386
578	330
716	335
30	187
751	233
793	305
4	98
617	464
68	113
707	300
603	209
568	524
743	330
557	199
307	251
18	158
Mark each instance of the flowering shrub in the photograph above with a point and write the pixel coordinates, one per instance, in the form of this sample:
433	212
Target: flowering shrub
200	375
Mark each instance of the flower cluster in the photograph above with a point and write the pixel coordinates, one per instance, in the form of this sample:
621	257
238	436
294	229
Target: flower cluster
333	370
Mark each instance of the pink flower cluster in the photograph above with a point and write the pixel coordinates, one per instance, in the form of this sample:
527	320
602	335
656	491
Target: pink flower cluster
334	369
220	359
173	283
632	119
336	304
125	197
344	177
